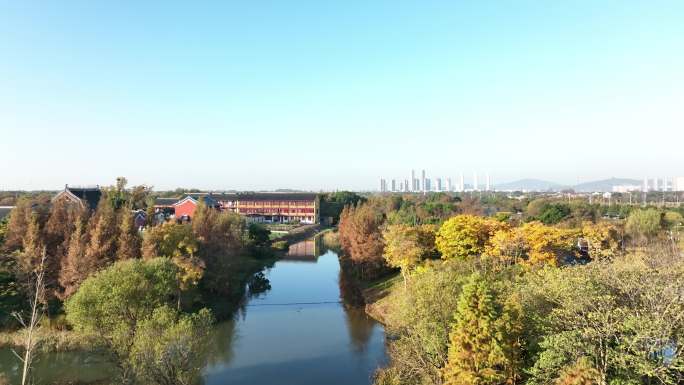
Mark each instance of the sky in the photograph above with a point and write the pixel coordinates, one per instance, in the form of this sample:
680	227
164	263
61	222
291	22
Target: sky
329	95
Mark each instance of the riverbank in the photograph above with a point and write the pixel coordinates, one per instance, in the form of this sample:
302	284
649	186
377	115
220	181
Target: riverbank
50	340
380	298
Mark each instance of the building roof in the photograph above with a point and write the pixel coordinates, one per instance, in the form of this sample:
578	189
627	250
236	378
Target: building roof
4	211
266	196
89	196
225	197
166	202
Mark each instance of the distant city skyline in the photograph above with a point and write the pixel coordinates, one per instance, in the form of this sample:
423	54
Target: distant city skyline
325	96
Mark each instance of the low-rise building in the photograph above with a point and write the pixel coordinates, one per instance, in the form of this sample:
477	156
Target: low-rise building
86	197
272	207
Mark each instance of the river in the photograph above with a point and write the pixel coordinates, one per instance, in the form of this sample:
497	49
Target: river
300	331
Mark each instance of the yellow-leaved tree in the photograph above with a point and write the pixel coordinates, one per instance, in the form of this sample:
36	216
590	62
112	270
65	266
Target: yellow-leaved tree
546	244
507	246
602	239
406	246
464	236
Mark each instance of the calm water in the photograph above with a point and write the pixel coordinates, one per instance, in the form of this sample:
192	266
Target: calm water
298	332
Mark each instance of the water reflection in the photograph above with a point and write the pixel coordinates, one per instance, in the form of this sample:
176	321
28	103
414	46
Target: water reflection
308	250
300	323
305	330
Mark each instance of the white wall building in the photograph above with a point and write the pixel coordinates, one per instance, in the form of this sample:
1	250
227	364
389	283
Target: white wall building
678	184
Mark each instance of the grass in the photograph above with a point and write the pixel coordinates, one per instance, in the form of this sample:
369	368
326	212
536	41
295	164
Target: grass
50	340
380	296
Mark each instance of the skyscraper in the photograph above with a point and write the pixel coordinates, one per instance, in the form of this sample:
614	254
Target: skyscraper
461	187
438	184
413	180
449	186
383	185
488	183
394	185
424	181
475	188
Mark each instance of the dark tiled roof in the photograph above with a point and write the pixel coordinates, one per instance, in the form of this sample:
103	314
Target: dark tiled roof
224	197
90	196
165	201
4	211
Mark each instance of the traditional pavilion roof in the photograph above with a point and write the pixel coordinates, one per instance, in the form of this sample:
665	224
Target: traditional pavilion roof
89	196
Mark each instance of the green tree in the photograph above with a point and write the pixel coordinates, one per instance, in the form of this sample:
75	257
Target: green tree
554	212
177	242
3	231
169	347
643	225
484	339
259	236
111	303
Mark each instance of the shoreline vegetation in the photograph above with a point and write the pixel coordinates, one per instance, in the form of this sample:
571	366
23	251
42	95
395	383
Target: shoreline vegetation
133	295
53	337
554	292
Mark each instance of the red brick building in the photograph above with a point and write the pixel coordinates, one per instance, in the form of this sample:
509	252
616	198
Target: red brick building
257	207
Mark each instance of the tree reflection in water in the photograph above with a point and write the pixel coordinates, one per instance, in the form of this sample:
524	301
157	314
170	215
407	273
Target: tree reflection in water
359	324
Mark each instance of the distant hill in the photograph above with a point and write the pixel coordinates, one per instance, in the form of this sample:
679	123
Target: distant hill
605	185
529	185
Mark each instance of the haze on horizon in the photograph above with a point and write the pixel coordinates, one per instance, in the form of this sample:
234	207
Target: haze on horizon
234	95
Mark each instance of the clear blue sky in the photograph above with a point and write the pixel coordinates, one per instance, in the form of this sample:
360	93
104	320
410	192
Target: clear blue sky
324	95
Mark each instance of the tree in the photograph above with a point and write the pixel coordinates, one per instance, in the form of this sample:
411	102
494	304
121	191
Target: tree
361	239
546	244
643	225
33	244
483	341
74	267
170	240
464	236
31	324
553	213
3	232
103	231
58	230
581	373
603	313
673	219
17	224
406	246
111	303
128	241
507	246
258	235
168	346
603	239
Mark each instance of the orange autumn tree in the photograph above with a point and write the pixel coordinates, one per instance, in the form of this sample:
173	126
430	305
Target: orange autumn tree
361	239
